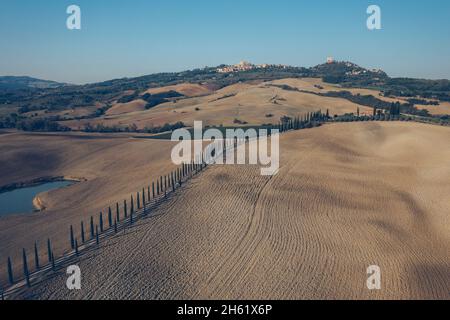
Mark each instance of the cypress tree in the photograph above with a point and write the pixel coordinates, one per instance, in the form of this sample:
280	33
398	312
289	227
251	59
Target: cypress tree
132	206
72	242
26	272
82	233
36	256
76	247
49	251
157	187
110	222
161	183
92	228
117	212
97	238
101	222
148	194
153	190
143	197
138	201
125	210
10	272
53	262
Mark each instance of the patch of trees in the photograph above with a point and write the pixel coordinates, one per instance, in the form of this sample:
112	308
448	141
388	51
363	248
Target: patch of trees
158	98
9	121
128	98
373	102
109	129
364	100
163	95
226	96
40	125
238	121
28	108
154	102
133	128
423	102
165	128
101	111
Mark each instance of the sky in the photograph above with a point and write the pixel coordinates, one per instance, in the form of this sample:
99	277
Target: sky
138	37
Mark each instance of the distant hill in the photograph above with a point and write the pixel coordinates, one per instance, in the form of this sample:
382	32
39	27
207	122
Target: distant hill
25	94
349	73
18	83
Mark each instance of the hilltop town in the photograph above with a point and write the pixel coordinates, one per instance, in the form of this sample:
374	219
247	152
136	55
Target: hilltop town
247	66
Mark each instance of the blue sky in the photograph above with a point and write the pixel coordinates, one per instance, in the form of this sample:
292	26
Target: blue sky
137	37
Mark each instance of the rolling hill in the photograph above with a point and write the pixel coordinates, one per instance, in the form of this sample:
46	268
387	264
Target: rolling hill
20	83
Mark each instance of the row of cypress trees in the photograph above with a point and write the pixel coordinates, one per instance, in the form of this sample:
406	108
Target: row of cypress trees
158	190
37	263
309	120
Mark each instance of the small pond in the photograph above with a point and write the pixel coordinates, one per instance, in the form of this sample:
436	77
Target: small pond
21	200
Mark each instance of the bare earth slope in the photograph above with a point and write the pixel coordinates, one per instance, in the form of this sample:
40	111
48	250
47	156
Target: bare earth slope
114	166
255	103
347	196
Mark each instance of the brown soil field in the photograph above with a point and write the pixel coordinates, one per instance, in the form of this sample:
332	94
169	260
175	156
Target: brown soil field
251	103
121	108
347	196
111	168
310	84
442	109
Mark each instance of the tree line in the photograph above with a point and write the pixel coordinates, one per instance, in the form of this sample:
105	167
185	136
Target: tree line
115	218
